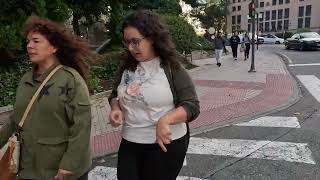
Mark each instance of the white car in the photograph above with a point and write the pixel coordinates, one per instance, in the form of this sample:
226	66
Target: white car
272	39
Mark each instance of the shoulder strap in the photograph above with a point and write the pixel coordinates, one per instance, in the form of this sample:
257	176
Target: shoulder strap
36	94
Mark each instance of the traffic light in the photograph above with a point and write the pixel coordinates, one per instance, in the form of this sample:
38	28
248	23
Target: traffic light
252	9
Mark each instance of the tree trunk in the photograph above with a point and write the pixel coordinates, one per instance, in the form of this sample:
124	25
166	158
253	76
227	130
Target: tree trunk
75	25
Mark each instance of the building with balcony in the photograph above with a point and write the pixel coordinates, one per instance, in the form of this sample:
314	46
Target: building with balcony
275	15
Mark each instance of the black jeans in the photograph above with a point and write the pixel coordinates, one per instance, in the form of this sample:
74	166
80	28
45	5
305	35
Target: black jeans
234	51
246	52
148	161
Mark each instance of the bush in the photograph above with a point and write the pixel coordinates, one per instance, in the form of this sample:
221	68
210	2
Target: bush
102	74
285	35
183	34
9	78
300	30
204	44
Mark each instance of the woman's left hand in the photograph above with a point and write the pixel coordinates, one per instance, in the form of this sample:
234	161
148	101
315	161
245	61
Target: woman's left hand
163	132
62	173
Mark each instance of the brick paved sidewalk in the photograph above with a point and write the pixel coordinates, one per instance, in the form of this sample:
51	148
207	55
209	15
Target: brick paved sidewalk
227	94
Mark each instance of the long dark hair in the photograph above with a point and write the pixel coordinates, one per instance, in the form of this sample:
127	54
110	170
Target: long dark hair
72	51
151	26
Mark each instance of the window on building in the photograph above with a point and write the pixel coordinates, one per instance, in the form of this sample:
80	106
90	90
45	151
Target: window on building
300	22
239	19
287	1
261	4
286	24
233	8
301	11
267	15
273	26
268	4
261	27
234	1
239	0
274	2
233	19
238	27
274	15
280	2
279	28
249	27
266	26
249	20
307	22
280	13
301	0
286	13
308	10
239	8
262	16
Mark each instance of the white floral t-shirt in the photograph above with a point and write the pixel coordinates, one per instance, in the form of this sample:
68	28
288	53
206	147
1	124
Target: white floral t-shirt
144	97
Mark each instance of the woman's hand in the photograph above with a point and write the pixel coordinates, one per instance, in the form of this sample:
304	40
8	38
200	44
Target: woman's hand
63	173
163	133
116	118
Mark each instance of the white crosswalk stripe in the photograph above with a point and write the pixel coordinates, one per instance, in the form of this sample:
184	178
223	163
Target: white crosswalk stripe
270	121
107	173
312	83
239	148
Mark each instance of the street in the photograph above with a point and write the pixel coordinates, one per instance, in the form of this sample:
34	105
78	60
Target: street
281	144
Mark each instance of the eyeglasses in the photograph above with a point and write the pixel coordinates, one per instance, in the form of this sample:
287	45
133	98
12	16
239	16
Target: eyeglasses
135	42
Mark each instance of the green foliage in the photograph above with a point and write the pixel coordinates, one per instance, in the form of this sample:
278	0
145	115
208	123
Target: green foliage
9	79
211	14
204	44
284	35
104	73
300	30
183	34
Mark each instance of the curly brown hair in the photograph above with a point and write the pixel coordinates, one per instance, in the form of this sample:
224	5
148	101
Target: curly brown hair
72	51
151	26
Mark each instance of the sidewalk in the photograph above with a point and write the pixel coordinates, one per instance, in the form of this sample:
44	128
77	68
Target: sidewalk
227	94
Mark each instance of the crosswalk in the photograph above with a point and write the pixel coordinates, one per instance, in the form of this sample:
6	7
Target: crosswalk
292	152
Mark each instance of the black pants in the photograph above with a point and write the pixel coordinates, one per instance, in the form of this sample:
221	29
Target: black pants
234	51
149	162
246	52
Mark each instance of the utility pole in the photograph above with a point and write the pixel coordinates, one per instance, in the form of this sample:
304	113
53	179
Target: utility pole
257	29
252	14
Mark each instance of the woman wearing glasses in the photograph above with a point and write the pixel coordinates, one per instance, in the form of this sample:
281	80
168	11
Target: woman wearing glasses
153	100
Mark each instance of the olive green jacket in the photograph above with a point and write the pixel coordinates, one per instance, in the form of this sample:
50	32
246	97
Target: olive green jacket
56	133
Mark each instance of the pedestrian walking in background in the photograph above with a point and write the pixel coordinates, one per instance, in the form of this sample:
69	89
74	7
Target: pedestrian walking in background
219	46
234	42
246	41
55	137
154	99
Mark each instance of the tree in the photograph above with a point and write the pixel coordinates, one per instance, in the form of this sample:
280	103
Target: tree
211	14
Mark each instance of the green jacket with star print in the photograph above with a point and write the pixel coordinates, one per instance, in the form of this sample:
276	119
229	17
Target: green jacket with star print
56	133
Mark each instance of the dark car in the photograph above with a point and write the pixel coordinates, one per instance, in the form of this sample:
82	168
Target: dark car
303	41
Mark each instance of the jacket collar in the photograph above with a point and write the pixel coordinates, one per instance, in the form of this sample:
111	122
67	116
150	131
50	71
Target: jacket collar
33	78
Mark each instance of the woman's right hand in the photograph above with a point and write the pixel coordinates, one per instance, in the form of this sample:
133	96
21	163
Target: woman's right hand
116	118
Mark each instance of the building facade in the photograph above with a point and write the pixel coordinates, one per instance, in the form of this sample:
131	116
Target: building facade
275	15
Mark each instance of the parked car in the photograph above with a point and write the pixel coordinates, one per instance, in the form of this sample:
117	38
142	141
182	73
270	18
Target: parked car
272	39
303	41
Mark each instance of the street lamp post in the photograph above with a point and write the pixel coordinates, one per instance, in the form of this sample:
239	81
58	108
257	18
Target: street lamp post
252	12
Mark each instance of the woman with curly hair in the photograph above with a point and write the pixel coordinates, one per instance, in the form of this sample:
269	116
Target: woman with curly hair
55	137
154	100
